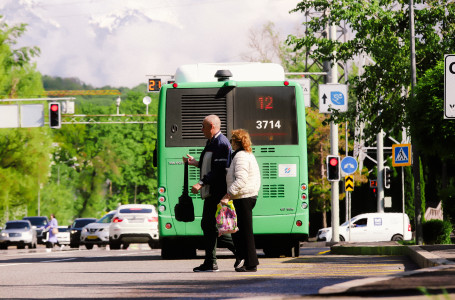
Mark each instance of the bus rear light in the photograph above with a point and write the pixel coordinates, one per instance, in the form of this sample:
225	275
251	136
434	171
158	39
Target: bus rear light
286	83
117	220
175	85
304	196
162	208
168	226
162	199
303	187
304	205
298	223
161	190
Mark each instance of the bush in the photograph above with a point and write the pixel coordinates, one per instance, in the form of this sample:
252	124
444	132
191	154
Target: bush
436	232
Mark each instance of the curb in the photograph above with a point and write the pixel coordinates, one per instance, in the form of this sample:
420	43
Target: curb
427	261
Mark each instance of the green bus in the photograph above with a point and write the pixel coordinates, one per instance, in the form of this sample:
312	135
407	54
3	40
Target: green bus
252	96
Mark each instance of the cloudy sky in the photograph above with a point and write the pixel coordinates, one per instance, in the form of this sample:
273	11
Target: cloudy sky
120	42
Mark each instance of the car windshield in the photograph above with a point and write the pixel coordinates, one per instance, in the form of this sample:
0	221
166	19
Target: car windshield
37	221
136	210
82	223
106	219
17	225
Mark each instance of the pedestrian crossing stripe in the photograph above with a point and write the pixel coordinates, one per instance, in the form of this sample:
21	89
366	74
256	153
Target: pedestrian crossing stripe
401	154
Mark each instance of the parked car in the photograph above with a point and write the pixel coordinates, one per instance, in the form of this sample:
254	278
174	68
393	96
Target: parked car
372	227
76	228
63	235
39	223
18	233
134	223
97	233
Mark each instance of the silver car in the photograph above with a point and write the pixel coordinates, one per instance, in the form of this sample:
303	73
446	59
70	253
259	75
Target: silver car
134	223
18	233
97	233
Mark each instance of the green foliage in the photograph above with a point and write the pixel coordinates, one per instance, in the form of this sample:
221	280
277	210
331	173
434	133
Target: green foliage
436	232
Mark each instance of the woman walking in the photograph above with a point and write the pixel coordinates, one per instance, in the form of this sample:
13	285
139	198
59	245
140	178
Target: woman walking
243	181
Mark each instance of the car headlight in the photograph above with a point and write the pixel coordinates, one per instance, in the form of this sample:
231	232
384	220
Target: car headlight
73	231
4	234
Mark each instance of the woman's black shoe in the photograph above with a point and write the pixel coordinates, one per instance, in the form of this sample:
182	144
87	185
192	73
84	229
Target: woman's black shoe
246	269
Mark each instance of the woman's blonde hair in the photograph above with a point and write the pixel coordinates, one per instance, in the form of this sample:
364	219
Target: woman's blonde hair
242	138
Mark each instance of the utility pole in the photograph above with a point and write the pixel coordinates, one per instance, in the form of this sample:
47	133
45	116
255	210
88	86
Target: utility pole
380	166
335	196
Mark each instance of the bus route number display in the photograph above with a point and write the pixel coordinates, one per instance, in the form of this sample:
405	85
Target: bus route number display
154	85
268	113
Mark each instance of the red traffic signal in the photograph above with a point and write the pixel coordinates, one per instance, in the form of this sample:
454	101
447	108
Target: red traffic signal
333	168
54	115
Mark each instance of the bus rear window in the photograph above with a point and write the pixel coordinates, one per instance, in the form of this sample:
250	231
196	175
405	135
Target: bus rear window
268	113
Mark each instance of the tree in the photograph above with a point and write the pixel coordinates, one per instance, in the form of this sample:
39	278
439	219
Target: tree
24	152
380	30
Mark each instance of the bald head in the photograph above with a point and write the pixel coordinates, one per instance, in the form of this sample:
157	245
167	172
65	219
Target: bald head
211	125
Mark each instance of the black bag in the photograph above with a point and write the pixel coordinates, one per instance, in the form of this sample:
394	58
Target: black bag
184	210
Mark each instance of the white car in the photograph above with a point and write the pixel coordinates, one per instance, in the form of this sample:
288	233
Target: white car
97	233
63	235
372	227
134	223
18	233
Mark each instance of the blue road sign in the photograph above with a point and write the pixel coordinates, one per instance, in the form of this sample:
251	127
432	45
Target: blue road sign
401	155
349	165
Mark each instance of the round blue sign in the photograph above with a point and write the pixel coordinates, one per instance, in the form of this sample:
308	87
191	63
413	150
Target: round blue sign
349	165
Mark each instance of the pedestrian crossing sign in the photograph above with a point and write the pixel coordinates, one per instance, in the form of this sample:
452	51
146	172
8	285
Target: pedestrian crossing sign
401	155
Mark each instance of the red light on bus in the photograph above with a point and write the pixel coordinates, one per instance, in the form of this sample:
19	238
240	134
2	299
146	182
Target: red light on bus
168	226
286	83
175	85
298	223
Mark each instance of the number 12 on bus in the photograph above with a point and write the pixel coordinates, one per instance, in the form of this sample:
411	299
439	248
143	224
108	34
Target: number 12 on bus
273	112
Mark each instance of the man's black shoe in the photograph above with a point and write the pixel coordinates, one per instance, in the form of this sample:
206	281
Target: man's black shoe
246	269
238	262
206	268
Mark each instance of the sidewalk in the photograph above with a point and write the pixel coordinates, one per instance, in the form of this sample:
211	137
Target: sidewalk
437	275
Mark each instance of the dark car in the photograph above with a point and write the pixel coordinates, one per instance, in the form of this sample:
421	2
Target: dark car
75	230
38	223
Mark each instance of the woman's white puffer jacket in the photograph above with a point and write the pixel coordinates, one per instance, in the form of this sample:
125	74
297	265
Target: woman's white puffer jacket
243	177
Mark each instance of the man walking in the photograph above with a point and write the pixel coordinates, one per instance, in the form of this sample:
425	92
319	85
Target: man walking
214	160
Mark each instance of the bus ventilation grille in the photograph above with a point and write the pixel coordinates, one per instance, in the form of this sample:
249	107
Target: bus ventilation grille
195	108
269	171
267	150
194	152
273	191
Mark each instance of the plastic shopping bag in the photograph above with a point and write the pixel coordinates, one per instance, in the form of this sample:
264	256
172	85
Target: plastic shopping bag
226	218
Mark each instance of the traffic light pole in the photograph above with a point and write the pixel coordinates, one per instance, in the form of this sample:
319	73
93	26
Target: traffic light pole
380	166
335	196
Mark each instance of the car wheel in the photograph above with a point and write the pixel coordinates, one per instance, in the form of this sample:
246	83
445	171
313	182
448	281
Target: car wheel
4	247
125	246
397	237
114	245
341	238
89	246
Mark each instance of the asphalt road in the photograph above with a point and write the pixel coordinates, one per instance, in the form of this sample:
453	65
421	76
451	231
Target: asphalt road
139	273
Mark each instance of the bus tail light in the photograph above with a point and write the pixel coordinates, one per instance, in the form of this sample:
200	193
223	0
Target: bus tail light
175	85
304	196
168	226
303	187
304	205
162	199
286	83
162	208
161	190
298	223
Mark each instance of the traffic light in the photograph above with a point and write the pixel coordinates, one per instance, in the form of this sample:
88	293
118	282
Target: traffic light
333	168
387	177
54	115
